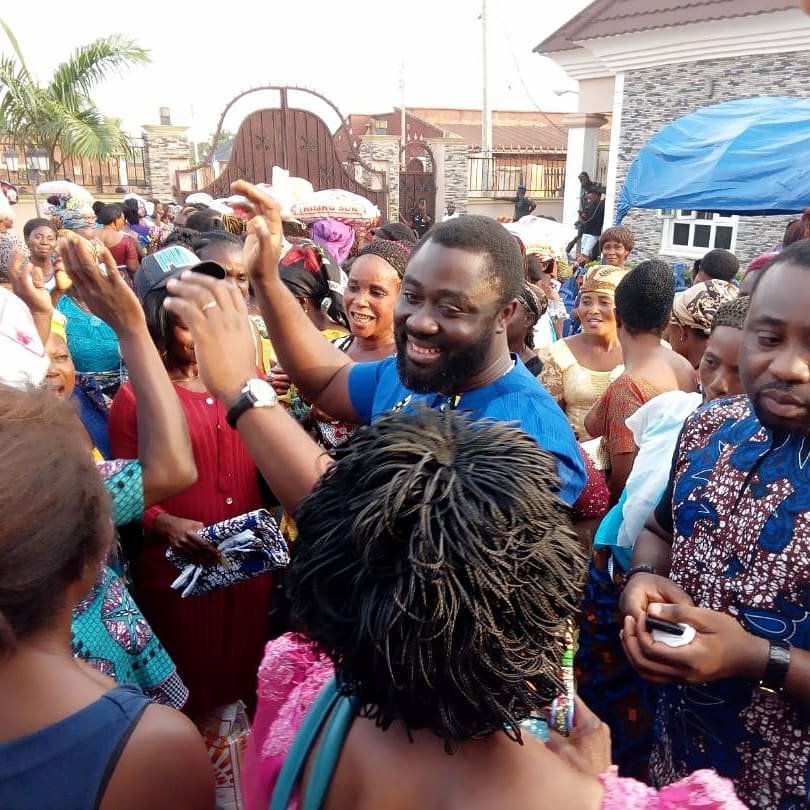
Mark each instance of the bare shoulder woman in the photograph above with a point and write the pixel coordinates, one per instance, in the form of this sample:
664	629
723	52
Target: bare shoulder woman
101	745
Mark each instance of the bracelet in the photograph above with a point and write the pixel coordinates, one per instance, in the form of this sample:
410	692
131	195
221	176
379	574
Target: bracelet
639	569
776	670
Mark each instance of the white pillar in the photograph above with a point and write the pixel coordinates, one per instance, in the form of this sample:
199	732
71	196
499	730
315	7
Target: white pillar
123	177
583	140
437	150
613	153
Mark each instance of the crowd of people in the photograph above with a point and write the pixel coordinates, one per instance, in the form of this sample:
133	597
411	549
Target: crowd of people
483	479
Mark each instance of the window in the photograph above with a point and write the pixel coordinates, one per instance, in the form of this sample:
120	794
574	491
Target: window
690	234
380	126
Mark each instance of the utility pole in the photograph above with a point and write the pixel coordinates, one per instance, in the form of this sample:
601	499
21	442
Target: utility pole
402	136
486	112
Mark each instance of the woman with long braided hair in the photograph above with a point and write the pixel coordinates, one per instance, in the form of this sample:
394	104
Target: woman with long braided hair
434	576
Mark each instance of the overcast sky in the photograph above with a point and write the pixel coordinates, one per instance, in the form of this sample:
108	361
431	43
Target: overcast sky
350	52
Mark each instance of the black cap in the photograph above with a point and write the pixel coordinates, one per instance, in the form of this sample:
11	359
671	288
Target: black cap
157	268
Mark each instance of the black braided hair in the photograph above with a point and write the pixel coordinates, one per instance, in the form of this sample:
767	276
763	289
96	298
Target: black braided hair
436	567
644	297
732	313
389	251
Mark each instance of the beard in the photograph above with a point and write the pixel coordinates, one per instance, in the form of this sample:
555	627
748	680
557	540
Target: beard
456	366
779	425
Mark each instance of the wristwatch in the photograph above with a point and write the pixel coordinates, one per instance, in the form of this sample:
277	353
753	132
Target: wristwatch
256	393
776	670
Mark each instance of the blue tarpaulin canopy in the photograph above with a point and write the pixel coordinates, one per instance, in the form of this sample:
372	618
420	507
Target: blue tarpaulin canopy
747	156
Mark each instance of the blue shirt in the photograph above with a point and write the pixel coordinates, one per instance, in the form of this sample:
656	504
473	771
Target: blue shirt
517	397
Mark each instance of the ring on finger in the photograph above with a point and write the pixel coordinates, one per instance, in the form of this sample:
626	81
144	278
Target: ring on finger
210	305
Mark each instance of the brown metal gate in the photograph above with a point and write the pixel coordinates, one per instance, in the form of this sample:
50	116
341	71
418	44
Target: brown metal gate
417	181
297	140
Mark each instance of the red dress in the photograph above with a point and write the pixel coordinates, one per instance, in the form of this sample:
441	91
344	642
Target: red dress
217	639
125	250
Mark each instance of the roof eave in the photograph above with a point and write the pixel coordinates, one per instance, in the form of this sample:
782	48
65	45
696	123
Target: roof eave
580	63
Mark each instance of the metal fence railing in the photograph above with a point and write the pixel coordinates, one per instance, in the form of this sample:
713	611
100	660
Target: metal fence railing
500	175
543	175
97	176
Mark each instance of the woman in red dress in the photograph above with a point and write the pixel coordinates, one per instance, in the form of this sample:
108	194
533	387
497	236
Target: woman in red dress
123	247
216	639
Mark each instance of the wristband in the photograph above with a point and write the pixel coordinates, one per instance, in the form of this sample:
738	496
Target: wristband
639	569
776	670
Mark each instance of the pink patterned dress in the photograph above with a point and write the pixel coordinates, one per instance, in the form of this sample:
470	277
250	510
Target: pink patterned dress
292	675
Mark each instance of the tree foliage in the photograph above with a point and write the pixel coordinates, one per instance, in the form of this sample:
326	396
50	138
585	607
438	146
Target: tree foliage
200	152
61	116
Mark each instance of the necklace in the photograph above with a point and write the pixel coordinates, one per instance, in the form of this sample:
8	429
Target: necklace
184	379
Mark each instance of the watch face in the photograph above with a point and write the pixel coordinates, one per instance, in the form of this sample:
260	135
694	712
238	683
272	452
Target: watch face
262	392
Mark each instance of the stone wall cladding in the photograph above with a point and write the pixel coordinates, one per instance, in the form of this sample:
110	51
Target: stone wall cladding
388	152
456	175
158	151
654	97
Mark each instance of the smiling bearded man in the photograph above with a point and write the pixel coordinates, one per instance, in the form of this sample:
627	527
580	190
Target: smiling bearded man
457	295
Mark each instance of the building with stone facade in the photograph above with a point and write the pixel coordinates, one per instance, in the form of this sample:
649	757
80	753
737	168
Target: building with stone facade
445	145
650	62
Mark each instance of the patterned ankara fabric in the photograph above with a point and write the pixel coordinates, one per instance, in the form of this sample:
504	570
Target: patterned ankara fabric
606	680
124	481
741	545
623	397
695	307
92	406
109	631
594	500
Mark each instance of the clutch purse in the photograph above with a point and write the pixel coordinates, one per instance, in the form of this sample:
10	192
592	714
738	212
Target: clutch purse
248	545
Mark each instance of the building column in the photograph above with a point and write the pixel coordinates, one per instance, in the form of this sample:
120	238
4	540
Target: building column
123	177
451	172
166	150
381	152
613	154
583	140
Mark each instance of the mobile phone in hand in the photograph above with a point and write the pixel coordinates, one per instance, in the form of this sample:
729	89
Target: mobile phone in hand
663	625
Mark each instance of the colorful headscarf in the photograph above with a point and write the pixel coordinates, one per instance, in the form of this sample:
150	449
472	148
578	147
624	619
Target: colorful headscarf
333	236
73	220
602	279
59	325
310	272
696	307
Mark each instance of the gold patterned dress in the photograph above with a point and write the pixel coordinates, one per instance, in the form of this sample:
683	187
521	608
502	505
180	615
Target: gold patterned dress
574	385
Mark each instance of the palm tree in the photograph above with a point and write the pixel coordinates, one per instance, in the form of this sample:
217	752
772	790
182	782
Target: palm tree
61	117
